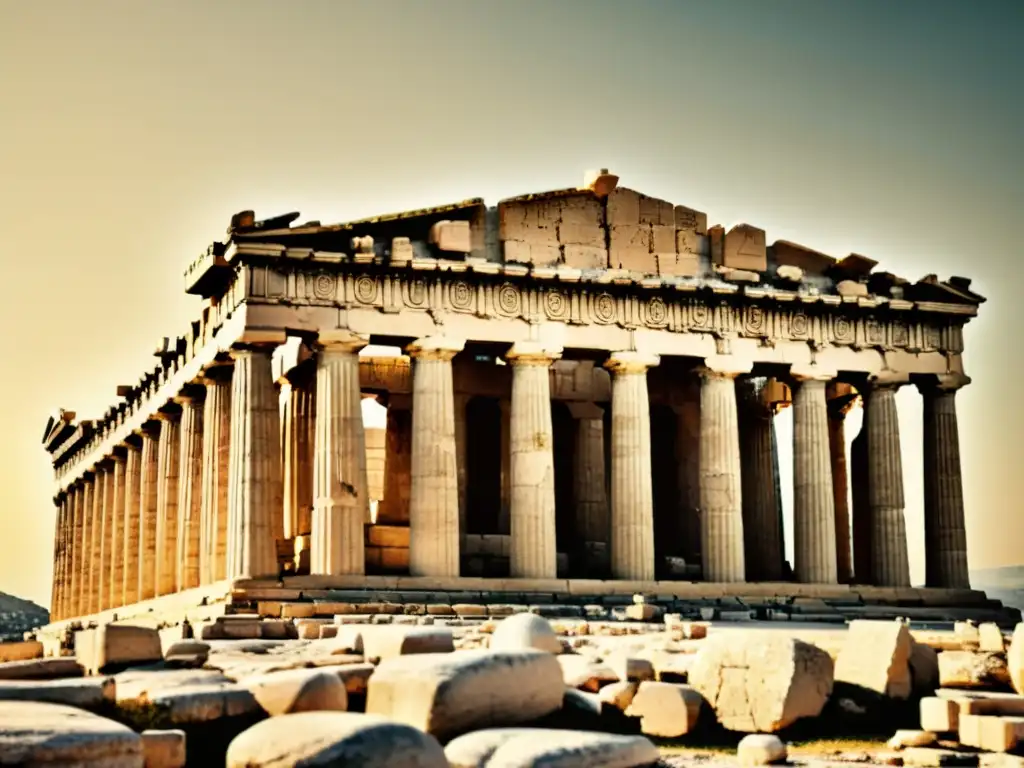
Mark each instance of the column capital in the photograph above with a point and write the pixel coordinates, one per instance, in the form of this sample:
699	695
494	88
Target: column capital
217	372
169	411
801	372
190	393
630	362
341	340
258	338
532	353
150	428
584	409
724	367
435	348
941	382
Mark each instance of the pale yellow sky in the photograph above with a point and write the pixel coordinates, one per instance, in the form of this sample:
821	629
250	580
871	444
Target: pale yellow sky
130	132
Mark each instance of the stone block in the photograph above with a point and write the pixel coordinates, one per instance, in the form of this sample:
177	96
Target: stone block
666	710
970	669
21	650
328	631
85	693
523	631
309	629
298	690
334	738
744	248
761	749
116	646
386	642
631	669
401	250
875	658
851	288
584	209
240	628
1015	659
1000	760
549	747
163	749
618	695
187	653
591	235
991	733
689	219
586	256
990	638
924	668
968	635
450	694
275	629
452	236
663	239
298	610
940	715
40	669
539	255
623	207
33	733
762	682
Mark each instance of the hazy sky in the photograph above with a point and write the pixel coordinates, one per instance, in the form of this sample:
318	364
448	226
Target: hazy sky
131	131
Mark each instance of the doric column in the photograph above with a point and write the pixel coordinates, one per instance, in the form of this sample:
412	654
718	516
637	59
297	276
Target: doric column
861	523
889	564
341	500
589	488
839	402
394	507
190	489
721	491
168	460
944	534
298	430
115	541
533	552
73	603
762	536
85	570
148	510
632	502
103	559
255	496
60	502
216	454
814	511
434	495
132	520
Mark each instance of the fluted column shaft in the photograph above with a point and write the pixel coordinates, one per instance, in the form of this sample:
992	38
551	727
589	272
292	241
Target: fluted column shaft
132	523
533	549
840	490
721	493
74	600
148	511
216	457
103	559
55	586
190	487
115	541
298	430
944	532
341	500
168	461
590	490
255	493
96	537
632	496
890	565
434	497
85	599
814	512
394	507
762	537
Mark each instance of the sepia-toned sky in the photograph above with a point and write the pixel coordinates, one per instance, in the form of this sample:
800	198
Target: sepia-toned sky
130	132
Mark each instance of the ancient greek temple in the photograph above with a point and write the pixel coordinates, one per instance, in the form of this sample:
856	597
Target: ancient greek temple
580	388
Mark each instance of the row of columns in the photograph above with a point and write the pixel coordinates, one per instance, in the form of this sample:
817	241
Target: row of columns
206	489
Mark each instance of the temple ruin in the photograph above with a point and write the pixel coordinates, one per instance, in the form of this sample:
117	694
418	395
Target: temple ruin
581	403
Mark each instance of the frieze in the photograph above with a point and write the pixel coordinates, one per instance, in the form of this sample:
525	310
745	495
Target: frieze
724	316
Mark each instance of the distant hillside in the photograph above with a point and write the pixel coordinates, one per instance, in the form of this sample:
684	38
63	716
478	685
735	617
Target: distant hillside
18	616
1008	577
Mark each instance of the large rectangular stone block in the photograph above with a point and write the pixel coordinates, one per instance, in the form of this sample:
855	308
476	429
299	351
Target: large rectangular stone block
21	650
586	257
114	646
744	248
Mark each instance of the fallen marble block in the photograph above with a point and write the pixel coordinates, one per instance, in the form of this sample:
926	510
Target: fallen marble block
38	734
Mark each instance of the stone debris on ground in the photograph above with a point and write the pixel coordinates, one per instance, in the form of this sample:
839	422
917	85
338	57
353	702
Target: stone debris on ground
512	690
